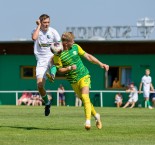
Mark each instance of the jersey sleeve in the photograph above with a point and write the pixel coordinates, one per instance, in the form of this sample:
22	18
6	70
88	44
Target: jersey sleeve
56	36
81	51
142	80
57	61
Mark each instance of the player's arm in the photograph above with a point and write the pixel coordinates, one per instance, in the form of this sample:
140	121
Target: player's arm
94	60
66	69
91	58
57	62
151	86
36	31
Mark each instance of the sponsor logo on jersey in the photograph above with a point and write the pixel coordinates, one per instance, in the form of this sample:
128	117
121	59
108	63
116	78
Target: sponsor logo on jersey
74	52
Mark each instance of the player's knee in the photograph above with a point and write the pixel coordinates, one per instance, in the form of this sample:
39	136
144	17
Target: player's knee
40	85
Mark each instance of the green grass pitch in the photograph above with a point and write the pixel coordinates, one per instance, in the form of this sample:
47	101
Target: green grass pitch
22	125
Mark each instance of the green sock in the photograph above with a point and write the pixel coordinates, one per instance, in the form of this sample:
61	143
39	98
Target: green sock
145	104
45	98
53	70
148	102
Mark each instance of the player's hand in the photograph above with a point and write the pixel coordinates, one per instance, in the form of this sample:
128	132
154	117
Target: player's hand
106	67
139	92
38	22
73	67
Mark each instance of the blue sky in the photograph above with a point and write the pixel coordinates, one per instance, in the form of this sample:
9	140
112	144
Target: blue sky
18	16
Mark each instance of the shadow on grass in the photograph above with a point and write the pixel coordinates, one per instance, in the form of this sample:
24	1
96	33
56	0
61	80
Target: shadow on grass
36	128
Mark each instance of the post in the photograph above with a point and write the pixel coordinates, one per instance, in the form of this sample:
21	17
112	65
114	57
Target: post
101	99
16	98
57	98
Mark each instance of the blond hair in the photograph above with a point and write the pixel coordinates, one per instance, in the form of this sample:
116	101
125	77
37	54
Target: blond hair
67	36
147	70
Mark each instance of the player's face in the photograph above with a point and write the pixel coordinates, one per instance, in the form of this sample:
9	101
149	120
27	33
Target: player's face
70	43
45	24
147	72
67	44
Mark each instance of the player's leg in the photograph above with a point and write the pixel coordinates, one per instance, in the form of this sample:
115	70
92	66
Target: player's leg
76	101
89	108
79	102
41	89
84	85
52	71
41	79
147	101
51	75
96	116
86	101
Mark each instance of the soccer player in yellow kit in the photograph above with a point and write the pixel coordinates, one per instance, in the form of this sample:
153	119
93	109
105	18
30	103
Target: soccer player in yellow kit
70	63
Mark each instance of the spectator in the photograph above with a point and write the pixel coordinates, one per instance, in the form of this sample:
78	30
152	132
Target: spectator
24	98
133	97
35	100
61	92
78	102
116	83
118	100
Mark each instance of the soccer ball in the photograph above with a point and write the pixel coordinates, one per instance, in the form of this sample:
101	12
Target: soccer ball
56	47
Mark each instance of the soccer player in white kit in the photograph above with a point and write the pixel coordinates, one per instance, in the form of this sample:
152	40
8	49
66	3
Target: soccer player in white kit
146	82
43	35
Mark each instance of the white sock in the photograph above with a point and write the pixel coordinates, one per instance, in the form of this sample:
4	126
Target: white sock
88	122
97	116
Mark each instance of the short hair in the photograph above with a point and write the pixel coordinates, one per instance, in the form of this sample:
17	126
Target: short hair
43	17
67	36
147	70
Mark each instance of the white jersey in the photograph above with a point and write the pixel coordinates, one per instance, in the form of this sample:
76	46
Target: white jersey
42	44
146	80
42	50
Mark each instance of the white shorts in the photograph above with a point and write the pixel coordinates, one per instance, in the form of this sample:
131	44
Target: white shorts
146	94
133	99
43	66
